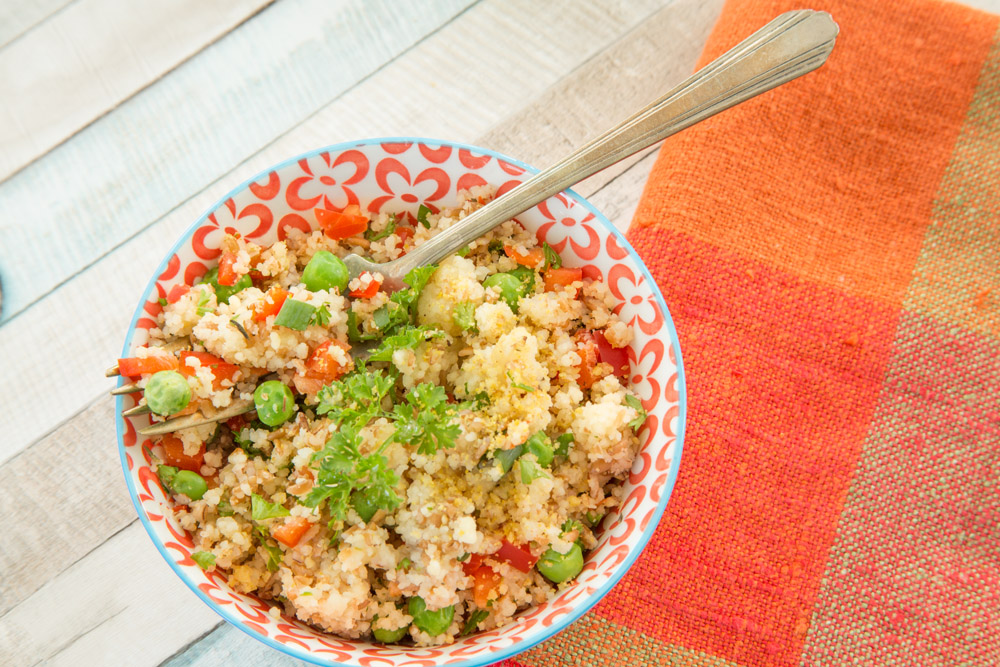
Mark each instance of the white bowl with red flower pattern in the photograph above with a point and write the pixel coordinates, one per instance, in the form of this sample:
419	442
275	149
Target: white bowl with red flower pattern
397	175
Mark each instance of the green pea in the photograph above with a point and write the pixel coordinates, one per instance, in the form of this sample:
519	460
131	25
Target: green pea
191	484
540	445
167	392
274	402
431	622
223	292
557	567
388	636
511	287
325	271
364	504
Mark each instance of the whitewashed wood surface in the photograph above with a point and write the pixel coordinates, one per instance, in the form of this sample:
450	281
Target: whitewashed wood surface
121	121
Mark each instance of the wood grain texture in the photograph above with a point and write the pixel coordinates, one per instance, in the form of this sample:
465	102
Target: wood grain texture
82	61
88	437
438	68
48	509
55	504
128	168
18	17
120	605
616	198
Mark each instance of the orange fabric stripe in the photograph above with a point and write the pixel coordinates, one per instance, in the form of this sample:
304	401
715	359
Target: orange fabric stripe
833	175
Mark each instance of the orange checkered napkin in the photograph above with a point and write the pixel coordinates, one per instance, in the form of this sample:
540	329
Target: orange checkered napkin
830	253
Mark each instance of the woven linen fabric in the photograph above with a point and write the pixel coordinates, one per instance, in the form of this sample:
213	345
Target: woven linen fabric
830	253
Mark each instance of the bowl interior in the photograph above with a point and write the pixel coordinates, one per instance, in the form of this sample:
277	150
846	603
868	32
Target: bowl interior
397	175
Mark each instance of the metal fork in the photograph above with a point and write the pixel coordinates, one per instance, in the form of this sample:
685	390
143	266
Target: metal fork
793	44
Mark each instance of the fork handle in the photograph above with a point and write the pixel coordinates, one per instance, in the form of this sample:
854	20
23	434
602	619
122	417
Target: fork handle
793	44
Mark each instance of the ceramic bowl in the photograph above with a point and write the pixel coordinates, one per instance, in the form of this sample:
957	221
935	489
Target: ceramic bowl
397	175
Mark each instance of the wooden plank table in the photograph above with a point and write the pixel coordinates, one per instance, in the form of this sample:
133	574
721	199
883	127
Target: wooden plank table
121	122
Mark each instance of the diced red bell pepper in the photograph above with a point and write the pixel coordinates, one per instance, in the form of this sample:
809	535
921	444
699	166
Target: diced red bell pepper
133	367
341	225
532	258
291	532
485	581
518	556
561	277
474	563
368	292
271	305
221	370
227	273
176	292
404	234
173	454
324	365
586	347
617	357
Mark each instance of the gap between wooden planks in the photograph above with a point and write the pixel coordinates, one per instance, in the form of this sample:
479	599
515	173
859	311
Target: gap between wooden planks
130	166
20	17
95	493
104	295
87	58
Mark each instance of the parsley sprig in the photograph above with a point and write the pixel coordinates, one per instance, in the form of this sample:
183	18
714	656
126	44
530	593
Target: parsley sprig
425	419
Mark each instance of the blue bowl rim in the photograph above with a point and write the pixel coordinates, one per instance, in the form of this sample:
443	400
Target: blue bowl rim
589	601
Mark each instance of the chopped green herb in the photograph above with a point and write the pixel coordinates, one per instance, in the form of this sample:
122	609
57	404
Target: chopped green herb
204	559
320	317
518	385
477	402
552	258
562	444
406	339
464	557
355	399
389	229
530	471
569	525
422	214
426	419
342	469
224	508
475	618
202	305
540	445
294	314
261	510
404	564
495	246
636	405
354	333
239	327
593	518
273	552
398	312
162	301
506	457
463	251
464	316
245	443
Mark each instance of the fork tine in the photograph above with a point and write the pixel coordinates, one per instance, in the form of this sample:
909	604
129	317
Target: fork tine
126	389
136	411
237	407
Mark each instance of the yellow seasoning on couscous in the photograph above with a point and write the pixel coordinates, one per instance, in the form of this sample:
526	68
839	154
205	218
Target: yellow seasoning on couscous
429	489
